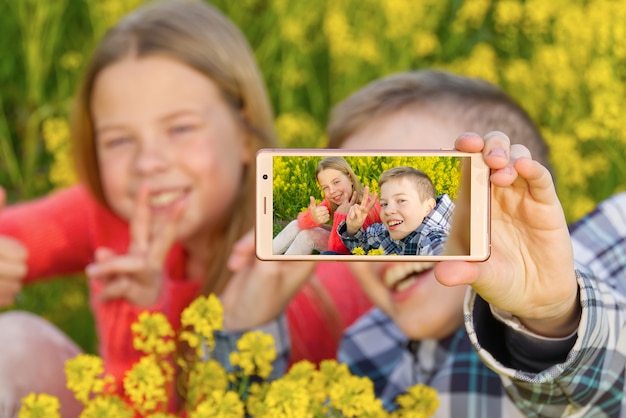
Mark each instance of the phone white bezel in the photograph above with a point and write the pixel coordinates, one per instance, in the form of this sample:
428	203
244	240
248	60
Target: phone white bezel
479	198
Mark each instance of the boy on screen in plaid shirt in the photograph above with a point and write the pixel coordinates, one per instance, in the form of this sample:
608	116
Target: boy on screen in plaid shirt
415	221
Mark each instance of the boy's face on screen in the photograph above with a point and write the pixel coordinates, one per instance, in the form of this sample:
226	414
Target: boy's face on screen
401	207
408	292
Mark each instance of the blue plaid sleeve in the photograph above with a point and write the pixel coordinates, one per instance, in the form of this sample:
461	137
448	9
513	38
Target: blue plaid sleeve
226	343
590	381
599	241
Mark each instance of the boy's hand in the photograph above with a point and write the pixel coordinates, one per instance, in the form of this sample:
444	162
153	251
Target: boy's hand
137	275
531	269
319	213
358	213
266	286
13	256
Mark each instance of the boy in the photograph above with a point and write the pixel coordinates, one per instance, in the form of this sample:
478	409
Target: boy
534	337
414	219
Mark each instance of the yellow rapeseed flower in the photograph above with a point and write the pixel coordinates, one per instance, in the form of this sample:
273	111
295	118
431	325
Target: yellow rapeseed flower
256	354
220	404
354	397
205	377
286	399
39	406
204	315
376	251
84	375
153	334
146	385
107	406
358	251
420	401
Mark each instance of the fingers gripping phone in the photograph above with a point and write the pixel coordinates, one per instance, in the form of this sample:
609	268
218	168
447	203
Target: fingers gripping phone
372	205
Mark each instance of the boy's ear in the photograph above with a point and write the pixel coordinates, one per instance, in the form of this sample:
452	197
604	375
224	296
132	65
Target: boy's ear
430	204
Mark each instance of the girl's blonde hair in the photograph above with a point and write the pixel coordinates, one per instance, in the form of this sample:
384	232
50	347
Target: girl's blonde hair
198	35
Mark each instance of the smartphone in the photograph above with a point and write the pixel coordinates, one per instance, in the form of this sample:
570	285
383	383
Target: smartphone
296	212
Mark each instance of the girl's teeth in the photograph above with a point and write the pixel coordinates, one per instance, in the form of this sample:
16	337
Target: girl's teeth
165	198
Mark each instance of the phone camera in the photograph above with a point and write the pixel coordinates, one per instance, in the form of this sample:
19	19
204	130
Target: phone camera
264	176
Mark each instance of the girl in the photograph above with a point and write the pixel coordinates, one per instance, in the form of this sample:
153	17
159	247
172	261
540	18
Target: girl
341	189
166	123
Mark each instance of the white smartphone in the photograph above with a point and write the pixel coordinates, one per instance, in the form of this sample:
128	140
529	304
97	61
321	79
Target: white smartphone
327	204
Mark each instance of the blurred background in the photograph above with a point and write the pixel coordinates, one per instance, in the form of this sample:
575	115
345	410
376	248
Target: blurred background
563	60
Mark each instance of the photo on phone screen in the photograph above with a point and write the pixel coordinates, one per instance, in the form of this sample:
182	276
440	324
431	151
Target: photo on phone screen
321	204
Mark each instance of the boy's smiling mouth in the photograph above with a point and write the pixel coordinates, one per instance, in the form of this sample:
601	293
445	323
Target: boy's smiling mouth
392	224
400	277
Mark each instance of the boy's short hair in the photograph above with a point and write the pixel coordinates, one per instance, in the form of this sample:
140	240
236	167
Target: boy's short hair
474	104
422	181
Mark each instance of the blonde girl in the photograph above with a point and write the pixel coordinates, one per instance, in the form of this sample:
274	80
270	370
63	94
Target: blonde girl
166	123
341	189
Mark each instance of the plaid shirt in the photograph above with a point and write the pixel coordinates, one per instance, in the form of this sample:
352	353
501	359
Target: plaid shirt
428	238
478	366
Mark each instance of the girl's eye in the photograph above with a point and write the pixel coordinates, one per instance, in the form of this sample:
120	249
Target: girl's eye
181	129
116	142
383	205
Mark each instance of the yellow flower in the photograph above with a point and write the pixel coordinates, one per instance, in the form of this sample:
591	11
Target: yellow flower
420	401
220	404
255	403
107	406
84	376
358	251
39	406
256	354
376	251
145	385
153	334
56	136
286	398
205	377
354	397
204	315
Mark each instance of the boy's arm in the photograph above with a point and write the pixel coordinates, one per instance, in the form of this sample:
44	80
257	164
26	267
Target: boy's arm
582	372
351	241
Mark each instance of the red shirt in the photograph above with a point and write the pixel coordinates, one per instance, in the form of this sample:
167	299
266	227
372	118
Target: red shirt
63	230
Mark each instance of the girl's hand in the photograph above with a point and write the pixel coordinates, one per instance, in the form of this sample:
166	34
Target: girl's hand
358	213
320	213
13	256
530	272
137	275
345	206
259	291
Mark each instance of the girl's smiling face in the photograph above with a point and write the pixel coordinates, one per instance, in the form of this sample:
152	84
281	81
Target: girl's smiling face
336	186
161	124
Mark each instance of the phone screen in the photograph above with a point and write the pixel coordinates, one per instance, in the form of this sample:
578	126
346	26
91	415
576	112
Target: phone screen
370	205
